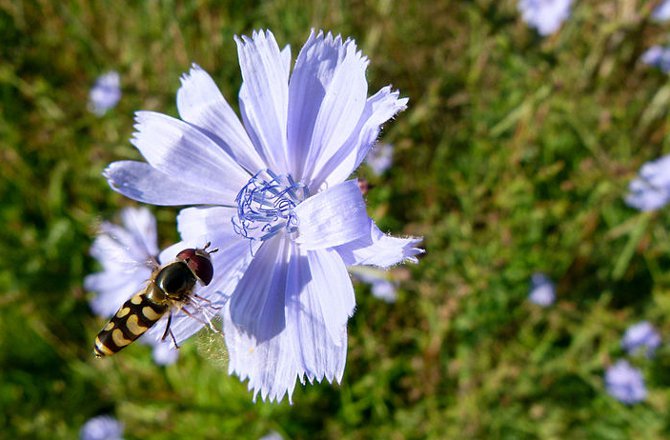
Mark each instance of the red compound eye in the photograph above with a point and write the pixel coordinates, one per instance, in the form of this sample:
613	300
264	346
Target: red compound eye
199	262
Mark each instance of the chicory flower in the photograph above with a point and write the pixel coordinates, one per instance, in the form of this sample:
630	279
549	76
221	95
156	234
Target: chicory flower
625	383
381	286
657	56
641	335
542	290
272	195
651	189
662	11
105	93
101	428
545	15
128	254
380	158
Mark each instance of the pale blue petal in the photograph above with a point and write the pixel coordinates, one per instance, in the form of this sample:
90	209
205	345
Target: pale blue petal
332	217
131	244
314	69
318	305
270	365
183	151
115	248
330	284
201	103
379	108
141	223
259	347
264	96
286	59
195	222
257	305
113	288
304	347
379	249
142	182
127	253
339	111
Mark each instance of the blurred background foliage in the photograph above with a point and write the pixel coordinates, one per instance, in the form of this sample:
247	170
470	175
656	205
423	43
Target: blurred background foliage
513	157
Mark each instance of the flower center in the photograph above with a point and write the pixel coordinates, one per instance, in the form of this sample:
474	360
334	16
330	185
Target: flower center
265	205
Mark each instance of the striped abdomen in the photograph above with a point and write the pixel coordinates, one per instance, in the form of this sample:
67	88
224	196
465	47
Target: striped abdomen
132	320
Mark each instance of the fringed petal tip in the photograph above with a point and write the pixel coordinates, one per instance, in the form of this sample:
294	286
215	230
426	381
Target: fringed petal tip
336	40
411	250
277	395
380	249
257	35
273	391
140	118
400	104
267	394
194	70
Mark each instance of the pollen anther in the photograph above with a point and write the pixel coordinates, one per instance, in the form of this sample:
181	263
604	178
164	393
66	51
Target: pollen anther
265	206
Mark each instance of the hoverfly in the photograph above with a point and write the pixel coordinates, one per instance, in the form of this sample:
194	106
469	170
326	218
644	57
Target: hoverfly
169	289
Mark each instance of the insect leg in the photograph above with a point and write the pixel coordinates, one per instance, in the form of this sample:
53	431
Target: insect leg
203	299
174	340
167	327
206	322
168	331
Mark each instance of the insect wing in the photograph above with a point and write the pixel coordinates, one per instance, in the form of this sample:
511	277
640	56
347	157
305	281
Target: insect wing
189	318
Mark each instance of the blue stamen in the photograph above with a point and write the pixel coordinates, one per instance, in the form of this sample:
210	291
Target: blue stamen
265	205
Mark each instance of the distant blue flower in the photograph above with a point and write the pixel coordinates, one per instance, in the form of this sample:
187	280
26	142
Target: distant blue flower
128	254
272	435
380	284
662	11
545	15
105	93
542	290
625	383
164	354
102	428
380	158
641	335
274	199
657	56
651	190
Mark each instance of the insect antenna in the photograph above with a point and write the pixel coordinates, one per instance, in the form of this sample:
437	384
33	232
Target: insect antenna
207	245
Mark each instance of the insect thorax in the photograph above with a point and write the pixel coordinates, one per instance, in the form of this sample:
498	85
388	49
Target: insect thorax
176	280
